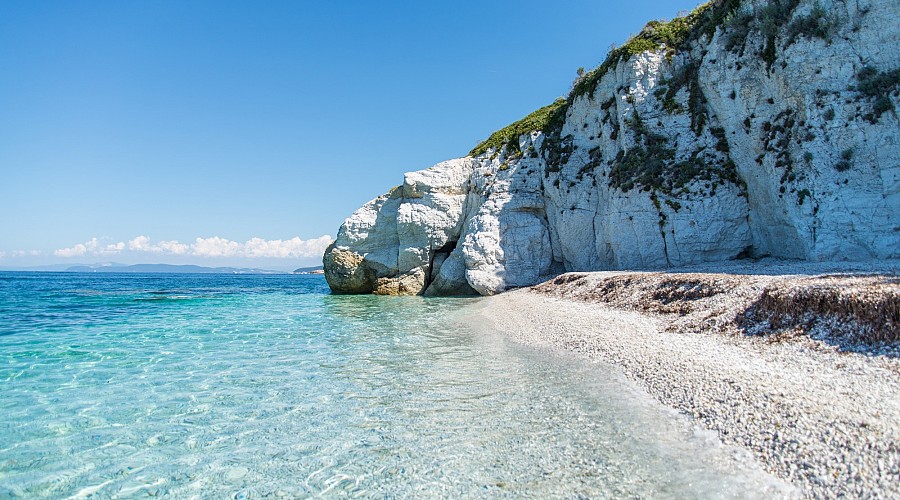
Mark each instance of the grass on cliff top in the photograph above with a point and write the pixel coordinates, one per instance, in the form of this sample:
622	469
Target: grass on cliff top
672	34
543	119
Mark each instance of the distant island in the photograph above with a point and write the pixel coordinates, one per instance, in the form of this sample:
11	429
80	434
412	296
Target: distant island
309	270
165	268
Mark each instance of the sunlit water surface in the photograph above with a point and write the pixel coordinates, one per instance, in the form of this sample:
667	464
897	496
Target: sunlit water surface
247	386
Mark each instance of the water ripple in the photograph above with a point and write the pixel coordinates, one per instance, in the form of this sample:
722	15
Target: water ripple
252	386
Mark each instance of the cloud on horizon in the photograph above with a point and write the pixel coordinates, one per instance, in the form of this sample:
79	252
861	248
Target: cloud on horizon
93	247
214	247
21	253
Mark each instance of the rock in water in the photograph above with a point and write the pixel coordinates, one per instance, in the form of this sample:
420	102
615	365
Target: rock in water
390	245
746	128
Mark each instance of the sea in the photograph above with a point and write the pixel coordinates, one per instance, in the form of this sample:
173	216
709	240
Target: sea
254	386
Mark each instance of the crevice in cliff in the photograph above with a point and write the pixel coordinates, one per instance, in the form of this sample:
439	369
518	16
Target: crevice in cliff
441	253
662	227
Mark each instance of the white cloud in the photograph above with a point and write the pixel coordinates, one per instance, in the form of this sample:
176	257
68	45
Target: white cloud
21	253
93	247
215	246
173	247
113	248
75	251
283	249
140	244
2	254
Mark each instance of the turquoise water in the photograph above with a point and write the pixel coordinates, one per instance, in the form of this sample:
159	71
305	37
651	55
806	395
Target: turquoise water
244	386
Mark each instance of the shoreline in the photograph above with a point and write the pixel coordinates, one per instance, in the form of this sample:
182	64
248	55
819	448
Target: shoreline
818	409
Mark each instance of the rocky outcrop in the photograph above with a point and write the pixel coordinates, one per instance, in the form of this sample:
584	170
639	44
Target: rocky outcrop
397	243
747	128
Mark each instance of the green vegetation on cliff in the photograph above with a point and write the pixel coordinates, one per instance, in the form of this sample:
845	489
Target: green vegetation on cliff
546	118
773	21
672	35
878	86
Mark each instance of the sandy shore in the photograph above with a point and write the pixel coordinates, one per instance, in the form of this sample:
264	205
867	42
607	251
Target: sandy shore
816	404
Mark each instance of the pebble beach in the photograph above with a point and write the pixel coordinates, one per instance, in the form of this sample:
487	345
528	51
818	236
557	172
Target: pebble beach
820	411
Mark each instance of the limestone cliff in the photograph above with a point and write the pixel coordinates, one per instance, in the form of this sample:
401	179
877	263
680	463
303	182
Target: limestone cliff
746	128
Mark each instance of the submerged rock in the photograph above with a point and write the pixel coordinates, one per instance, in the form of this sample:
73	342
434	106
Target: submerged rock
747	128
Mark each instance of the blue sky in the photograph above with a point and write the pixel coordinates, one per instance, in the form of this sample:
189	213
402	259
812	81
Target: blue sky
247	131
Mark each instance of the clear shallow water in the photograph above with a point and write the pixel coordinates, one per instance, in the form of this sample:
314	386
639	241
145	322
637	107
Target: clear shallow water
247	386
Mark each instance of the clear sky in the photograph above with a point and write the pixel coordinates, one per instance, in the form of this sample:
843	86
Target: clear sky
225	132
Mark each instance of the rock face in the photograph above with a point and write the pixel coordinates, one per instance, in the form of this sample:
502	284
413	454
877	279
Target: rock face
760	128
396	244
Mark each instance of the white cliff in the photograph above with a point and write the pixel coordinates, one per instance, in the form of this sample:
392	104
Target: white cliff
391	245
760	128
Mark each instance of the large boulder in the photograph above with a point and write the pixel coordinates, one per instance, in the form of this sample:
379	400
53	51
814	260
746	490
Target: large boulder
389	245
